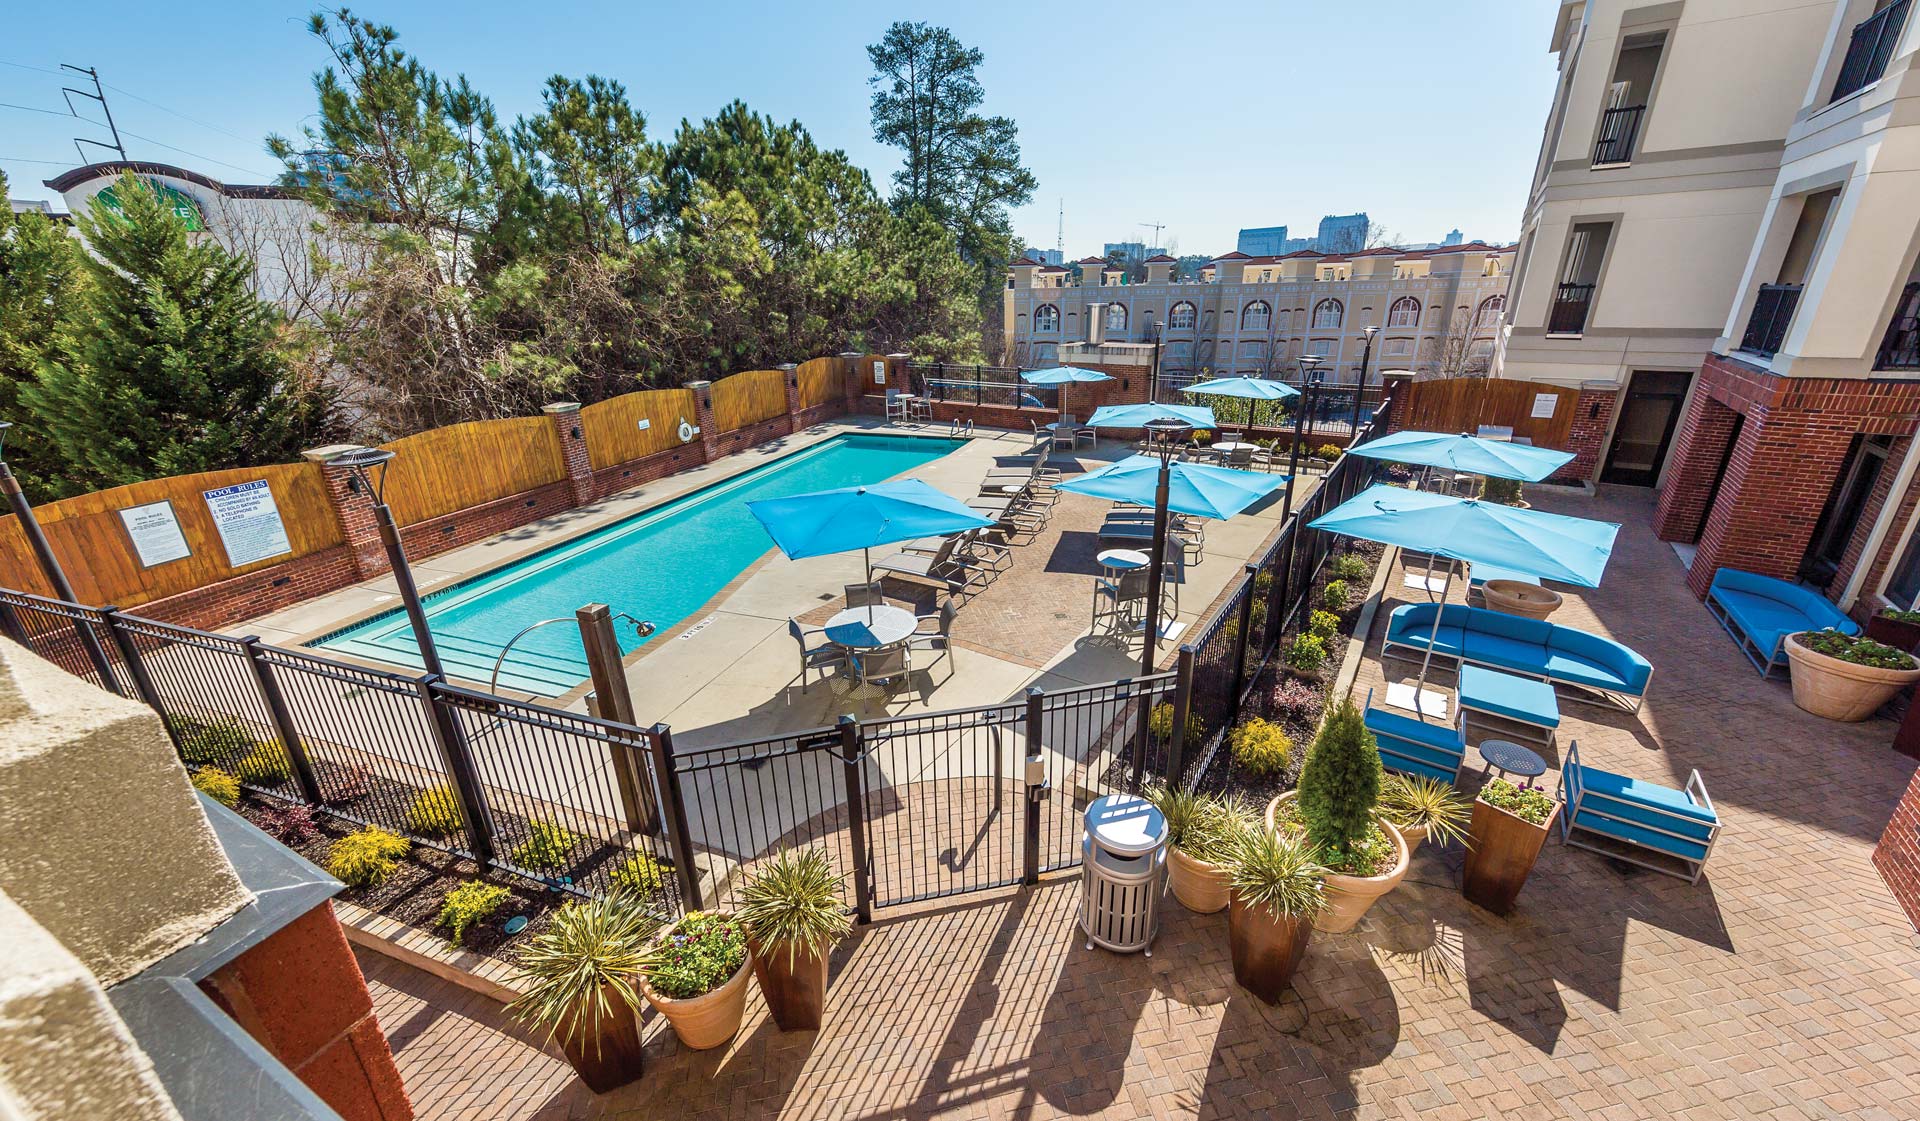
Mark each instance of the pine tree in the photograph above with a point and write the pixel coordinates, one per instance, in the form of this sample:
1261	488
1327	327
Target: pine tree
41	275
1341	781
174	366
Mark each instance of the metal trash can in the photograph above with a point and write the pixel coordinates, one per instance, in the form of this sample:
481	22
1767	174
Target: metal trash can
1123	873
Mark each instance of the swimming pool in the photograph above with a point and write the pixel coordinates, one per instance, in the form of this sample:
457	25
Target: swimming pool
660	565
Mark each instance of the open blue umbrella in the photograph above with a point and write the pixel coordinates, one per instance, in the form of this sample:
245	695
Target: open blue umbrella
1253	389
1062	375
1137	416
840	521
1551	546
1199	489
1469	454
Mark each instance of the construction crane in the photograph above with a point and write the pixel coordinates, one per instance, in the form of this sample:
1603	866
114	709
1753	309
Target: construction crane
1156	227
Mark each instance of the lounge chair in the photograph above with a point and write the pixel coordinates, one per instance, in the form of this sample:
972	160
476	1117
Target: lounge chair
1618	816
1760	612
1594	669
943	566
1186	525
1132	532
822	658
1411	746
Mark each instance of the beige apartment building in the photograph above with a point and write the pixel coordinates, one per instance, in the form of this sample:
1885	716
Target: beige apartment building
1436	311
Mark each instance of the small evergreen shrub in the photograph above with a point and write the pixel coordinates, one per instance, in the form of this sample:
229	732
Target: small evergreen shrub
366	858
1323	624
641	873
291	825
211	741
545	848
467	905
1260	747
1504	491
1900	615
1340	784
704	951
1528	803
1307	653
218	785
434	812
1336	595
1351	567
1160	725
1329	452
266	765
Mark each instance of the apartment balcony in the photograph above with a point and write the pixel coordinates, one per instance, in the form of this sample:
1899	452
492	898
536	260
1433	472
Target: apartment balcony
1570	305
1900	349
1872	45
1772	312
1619	128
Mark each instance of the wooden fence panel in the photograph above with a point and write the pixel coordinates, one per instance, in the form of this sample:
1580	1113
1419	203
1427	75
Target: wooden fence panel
446	469
821	382
613	431
747	398
92	542
1464	404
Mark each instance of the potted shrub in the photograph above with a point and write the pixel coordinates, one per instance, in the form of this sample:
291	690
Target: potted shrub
1200	830
1845	678
791	910
1507	492
1421	807
1277	888
577	982
1898	629
1336	810
1509	825
698	978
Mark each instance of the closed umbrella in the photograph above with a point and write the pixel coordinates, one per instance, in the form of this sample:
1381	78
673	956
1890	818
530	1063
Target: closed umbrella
1199	489
1469	454
1253	389
1550	546
1062	375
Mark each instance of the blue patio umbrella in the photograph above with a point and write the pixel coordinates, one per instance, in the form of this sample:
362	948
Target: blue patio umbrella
1062	375
1470	454
840	521
1551	546
1253	389
1199	489
1137	416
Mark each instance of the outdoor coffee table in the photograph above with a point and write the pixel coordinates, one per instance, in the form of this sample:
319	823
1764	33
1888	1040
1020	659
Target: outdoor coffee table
1517	700
1510	758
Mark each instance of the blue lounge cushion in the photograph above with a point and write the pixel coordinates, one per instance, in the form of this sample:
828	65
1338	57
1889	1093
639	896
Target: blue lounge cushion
1508	653
1646	838
1530	702
1766	610
1579	671
1602	655
1517	627
1647	793
1528	646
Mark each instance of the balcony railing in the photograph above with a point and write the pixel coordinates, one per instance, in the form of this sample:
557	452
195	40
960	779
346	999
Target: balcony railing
1874	39
1570	304
1900	350
1772	312
1618	130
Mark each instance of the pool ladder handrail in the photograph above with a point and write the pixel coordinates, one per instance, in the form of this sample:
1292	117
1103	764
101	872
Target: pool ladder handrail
493	683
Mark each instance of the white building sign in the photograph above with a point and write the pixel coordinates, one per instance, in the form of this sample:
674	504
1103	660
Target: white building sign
248	521
155	533
879	373
1544	405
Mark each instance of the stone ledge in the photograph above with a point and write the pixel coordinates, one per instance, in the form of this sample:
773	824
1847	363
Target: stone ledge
487	976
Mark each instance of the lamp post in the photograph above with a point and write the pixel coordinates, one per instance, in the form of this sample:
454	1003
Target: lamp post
369	467
1160	437
1157	329
50	564
1360	387
1309	381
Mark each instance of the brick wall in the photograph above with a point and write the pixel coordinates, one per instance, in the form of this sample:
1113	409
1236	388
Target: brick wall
1869	517
477	523
1897	856
1870	598
1593	412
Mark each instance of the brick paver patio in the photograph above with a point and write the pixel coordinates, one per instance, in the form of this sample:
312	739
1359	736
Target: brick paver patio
1784	985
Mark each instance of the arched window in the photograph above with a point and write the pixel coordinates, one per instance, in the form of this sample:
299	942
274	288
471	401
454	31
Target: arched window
1489	313
1181	317
1046	318
1326	314
1116	316
1405	312
1256	316
1180	354
1284	316
1206	322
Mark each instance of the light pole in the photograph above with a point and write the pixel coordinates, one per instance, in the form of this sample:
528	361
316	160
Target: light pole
1160	437
369	467
1159	329
1309	380
1360	387
50	564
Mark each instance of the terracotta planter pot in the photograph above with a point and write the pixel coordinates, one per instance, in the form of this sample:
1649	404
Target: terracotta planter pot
707	1021
1199	886
794	986
610	1057
1841	690
1501	849
1414	836
1893	632
1517	598
1266	951
1350	897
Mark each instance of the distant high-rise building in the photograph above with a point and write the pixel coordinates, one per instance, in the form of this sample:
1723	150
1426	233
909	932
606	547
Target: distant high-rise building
1262	241
1047	256
1454	237
1342	233
1129	250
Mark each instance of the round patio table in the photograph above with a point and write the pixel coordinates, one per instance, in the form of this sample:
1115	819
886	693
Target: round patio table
1233	446
1123	560
1508	757
869	628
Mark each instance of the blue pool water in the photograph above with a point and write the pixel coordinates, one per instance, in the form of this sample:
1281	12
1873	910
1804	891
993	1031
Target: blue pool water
660	565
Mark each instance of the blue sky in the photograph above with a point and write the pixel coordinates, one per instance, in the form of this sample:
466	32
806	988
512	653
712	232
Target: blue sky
1427	115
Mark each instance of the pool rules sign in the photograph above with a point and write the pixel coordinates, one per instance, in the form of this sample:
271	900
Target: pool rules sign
248	521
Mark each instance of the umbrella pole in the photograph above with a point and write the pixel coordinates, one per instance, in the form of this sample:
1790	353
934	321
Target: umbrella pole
1433	636
866	559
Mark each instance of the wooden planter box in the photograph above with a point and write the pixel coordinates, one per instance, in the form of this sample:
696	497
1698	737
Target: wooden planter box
1266	951
1893	632
1501	850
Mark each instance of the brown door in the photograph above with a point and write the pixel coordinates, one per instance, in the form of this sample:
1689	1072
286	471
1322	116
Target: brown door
1647	420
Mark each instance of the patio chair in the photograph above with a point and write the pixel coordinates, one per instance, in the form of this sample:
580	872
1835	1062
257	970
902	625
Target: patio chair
822	657
1091	433
1009	515
860	595
1060	436
920	408
1134	533
1121	602
1240	459
1074	430
938	639
1186	525
940	566
1042	438
896	405
1263	459
886	664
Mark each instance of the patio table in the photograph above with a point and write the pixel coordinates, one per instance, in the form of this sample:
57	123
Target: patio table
870	628
1518	700
1123	560
1510	758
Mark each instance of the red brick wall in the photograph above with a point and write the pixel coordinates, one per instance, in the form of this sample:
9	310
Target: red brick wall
1897	856
255	593
1687	486
633	473
301	995
1869	517
1870	599
1593	412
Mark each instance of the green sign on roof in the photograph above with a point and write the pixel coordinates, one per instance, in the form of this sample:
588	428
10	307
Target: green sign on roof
183	204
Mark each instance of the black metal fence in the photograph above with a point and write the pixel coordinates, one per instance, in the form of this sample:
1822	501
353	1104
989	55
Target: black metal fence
980	385
1900	346
1618	129
1870	48
1772	314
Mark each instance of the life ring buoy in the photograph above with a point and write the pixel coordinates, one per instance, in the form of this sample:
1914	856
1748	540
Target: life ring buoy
686	430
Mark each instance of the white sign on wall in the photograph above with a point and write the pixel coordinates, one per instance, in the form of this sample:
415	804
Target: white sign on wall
1544	405
155	533
248	521
879	373
645	424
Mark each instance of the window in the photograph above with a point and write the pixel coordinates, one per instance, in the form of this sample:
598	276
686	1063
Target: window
1326	314
1405	312
1181	317
1046	354
1321	347
1206	351
1903	589
1256	316
1206	322
1046	318
1253	351
1489	314
1399	347
1284	315
1116	317
1180	353
1869	47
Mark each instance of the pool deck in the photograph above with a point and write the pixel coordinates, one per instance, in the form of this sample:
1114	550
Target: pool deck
729	671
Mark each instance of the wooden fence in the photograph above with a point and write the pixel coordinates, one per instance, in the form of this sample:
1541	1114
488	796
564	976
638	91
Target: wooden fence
822	380
96	547
748	398
634	425
1464	404
463	465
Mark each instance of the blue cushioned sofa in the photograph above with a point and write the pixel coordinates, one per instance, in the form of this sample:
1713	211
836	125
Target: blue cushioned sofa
1616	815
1528	647
1760	612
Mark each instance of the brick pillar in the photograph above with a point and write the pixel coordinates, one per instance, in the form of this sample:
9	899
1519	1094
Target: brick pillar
1396	385
1592	413
353	509
1698	448
850	379
1897	856
565	417
897	376
1782	469
790	381
301	995
703	419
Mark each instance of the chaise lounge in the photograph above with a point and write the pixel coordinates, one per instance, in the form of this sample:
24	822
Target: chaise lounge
1410	746
1681	825
1529	647
1759	612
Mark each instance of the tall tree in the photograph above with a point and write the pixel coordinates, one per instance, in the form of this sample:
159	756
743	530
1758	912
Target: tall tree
175	364
587	152
41	278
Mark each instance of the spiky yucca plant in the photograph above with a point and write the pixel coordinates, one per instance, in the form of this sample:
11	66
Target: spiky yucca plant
590	950
792	900
1418	800
1201	825
1276	871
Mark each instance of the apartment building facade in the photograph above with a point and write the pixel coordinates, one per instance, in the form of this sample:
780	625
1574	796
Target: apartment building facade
1435	311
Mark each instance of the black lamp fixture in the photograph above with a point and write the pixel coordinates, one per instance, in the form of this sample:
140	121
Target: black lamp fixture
369	477
369	467
49	564
1310	381
1360	386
